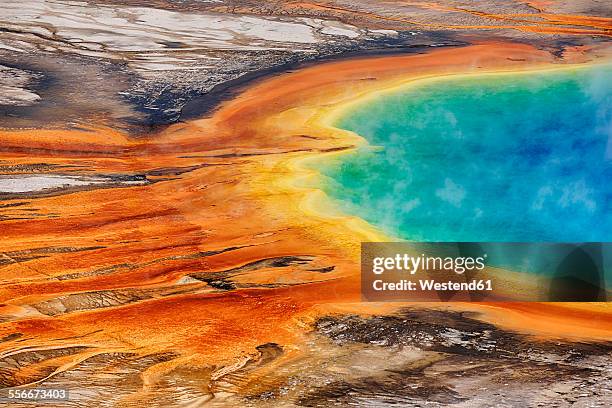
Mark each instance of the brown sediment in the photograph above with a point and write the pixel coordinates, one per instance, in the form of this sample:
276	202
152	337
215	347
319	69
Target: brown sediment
212	262
540	22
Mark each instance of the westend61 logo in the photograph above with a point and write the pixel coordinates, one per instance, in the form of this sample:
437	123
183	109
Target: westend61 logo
469	271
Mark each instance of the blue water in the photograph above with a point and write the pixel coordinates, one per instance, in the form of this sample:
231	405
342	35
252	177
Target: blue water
521	157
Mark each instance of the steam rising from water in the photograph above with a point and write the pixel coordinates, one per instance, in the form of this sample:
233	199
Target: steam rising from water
521	157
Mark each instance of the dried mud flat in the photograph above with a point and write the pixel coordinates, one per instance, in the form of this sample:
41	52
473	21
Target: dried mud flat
412	358
145	61
153	252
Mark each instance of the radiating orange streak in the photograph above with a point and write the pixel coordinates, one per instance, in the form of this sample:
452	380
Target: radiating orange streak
552	19
240	200
596	25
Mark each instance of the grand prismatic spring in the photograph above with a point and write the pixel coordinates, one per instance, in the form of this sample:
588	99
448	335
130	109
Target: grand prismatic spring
185	188
547	157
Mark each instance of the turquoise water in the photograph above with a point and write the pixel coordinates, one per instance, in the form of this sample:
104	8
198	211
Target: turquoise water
521	157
